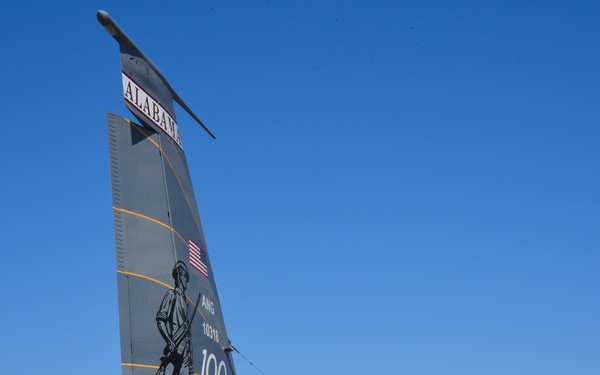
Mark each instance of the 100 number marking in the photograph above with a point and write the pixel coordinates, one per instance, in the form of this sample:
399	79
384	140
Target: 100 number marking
219	369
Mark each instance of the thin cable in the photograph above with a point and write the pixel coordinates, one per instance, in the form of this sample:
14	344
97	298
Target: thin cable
247	360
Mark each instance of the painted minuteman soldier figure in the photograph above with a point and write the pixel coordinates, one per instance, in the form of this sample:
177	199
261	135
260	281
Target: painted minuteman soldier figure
173	320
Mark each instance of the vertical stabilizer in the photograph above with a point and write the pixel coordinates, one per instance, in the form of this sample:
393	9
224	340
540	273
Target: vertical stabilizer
169	309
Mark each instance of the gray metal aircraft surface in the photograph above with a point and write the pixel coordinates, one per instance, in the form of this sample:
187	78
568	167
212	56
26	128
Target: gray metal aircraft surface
170	315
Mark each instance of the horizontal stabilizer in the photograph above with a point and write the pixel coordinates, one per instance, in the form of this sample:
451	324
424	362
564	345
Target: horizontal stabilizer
124	40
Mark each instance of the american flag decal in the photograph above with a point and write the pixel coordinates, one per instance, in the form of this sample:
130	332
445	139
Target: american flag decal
196	258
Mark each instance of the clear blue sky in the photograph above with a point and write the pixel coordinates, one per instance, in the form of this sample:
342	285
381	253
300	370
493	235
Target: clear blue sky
396	187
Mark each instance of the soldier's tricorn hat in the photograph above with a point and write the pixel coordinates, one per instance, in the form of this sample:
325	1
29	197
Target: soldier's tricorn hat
180	266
